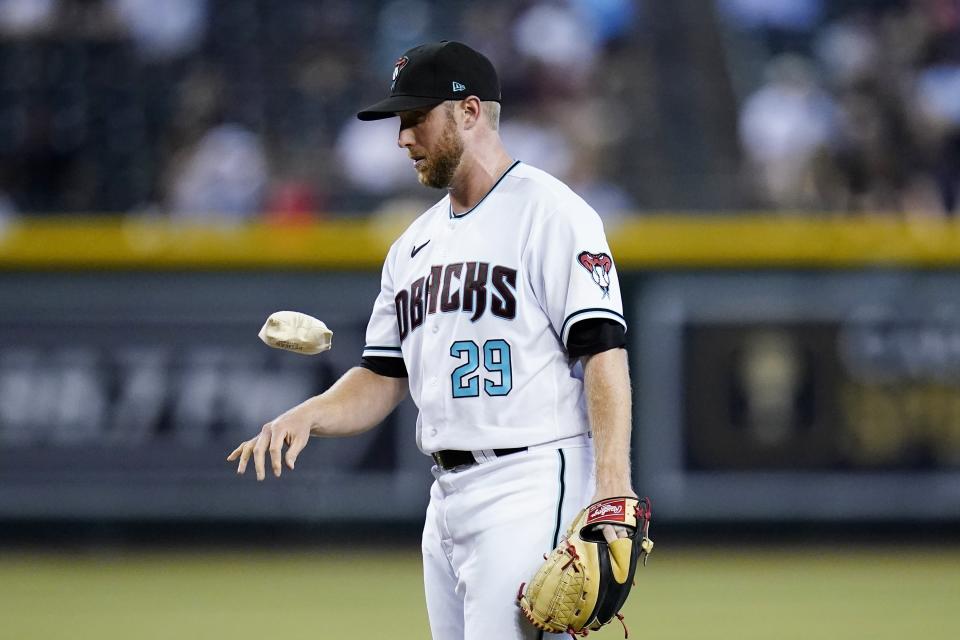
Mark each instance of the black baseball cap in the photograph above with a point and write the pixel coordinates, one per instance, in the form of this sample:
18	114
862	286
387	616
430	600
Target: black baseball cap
432	73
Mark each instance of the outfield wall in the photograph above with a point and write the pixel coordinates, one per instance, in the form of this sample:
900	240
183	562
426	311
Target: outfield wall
784	369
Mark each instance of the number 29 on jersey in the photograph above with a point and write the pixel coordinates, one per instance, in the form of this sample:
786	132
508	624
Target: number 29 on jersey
489	363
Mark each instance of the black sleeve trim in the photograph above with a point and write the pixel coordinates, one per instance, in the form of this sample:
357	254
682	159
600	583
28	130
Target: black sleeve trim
385	366
569	319
595	335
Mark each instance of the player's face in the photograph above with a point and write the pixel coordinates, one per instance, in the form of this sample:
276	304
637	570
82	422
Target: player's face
433	142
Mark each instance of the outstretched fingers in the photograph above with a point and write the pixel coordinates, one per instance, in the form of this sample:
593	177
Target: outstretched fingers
277	436
296	445
235	453
260	453
272	437
243	453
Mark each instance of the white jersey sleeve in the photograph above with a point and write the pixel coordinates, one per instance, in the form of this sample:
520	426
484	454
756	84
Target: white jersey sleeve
572	271
383	338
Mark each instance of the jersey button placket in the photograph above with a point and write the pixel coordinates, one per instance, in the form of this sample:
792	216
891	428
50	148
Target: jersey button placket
438	390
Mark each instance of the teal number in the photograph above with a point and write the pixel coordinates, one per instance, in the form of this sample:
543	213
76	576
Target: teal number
472	387
496	361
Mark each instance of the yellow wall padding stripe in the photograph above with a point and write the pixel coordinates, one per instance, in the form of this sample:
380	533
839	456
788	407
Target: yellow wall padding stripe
746	241
645	242
139	244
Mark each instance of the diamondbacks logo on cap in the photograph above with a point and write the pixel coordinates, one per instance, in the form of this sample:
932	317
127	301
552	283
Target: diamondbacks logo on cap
397	66
599	265
608	510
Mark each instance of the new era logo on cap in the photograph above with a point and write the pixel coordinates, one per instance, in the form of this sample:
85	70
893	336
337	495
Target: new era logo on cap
458	87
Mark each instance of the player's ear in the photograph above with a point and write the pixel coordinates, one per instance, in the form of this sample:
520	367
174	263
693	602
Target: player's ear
471	108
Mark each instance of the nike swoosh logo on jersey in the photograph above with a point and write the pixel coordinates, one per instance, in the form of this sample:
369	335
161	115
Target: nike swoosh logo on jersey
416	249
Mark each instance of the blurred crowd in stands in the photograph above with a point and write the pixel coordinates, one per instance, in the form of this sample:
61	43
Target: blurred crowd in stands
241	109
859	106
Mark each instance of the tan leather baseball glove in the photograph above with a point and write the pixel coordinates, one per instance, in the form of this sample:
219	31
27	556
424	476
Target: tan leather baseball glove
585	581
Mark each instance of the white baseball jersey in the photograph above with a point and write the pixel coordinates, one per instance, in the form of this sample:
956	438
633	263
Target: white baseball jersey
479	305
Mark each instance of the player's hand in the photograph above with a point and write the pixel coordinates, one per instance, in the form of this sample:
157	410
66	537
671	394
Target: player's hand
288	429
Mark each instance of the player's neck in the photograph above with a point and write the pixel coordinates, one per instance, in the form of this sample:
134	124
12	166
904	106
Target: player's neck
476	176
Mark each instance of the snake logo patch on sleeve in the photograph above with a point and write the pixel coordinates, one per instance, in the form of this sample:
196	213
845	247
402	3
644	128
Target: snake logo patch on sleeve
599	265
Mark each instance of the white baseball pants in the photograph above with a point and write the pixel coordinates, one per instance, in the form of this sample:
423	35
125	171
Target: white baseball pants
486	530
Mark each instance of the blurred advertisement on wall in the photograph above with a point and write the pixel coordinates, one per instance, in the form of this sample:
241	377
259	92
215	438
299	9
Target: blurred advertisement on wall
769	396
857	395
813	395
122	394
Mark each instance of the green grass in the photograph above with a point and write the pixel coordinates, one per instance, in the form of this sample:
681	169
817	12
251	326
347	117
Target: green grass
817	593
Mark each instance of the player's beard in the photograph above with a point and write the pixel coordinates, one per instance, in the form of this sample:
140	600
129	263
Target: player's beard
437	170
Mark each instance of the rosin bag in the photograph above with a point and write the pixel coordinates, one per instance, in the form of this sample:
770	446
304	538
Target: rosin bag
297	332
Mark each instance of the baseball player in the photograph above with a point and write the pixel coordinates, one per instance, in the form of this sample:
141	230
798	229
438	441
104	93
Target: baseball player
500	312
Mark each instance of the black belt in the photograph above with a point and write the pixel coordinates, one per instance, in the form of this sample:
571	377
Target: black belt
450	458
